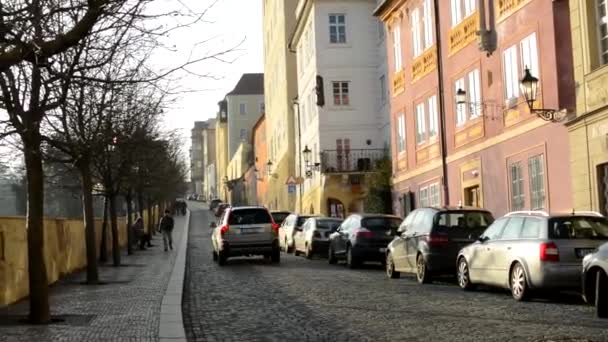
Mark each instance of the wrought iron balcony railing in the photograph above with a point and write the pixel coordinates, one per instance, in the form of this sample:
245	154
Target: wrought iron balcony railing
351	161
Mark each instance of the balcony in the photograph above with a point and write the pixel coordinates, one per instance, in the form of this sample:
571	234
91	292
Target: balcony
351	161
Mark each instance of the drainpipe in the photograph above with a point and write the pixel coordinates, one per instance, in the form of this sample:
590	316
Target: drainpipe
296	104
444	148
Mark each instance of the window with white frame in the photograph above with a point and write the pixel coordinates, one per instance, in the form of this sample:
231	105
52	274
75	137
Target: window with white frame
602	30
474	94
433	114
427	21
243	134
423	197
518	197
416	38
461	110
243	108
511	74
536	171
337	28
420	124
401	132
461	9
434	195
529	55
341	93
397	48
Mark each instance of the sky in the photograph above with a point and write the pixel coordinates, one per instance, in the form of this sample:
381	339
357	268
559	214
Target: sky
226	24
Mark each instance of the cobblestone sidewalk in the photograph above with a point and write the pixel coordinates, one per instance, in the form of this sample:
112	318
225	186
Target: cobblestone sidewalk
125	308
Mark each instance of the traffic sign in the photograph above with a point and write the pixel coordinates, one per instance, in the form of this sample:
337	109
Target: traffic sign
291	188
291	181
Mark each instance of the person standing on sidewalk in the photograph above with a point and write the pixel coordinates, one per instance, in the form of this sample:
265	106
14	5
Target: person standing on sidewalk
166	228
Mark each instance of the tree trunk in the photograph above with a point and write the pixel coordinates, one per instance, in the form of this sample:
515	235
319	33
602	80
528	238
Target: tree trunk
129	199
38	281
150	217
89	222
103	248
115	238
140	204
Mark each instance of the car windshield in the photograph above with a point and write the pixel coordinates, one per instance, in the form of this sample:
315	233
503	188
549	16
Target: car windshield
381	223
279	217
249	216
463	222
328	224
580	227
301	220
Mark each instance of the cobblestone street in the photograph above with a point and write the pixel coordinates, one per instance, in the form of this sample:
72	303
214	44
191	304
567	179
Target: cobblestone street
303	300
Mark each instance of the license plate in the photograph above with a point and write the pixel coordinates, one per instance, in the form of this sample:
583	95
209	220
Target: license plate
382	250
582	252
250	230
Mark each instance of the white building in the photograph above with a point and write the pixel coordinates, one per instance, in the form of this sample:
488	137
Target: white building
340	48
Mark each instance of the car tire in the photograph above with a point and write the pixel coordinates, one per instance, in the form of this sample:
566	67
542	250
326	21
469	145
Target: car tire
222	258
296	252
331	257
351	260
214	256
601	294
463	275
422	272
518	283
390	267
309	252
275	257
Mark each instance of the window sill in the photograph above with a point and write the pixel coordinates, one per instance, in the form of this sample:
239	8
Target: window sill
342	108
468	123
338	45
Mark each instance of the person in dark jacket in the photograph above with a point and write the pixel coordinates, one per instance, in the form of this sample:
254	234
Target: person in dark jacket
166	228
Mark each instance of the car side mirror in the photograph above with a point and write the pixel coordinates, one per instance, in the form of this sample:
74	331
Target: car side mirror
482	239
212	225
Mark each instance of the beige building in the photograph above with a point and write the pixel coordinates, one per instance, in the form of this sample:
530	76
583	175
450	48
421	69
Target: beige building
589	129
221	151
280	85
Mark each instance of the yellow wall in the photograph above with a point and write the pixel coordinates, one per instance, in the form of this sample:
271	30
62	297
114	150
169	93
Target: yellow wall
221	156
65	251
316	197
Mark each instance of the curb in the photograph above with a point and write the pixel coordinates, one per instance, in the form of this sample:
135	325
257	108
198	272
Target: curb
171	326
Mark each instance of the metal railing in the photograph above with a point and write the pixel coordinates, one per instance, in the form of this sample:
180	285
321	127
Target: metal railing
528	212
351	161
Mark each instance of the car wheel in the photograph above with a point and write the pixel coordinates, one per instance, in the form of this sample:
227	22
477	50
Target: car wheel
422	274
222	258
351	260
464	278
519	284
275	257
390	267
295	250
331	257
309	253
601	295
214	256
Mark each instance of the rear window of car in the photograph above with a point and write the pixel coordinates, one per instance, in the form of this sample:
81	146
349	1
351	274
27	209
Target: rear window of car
381	223
578	228
328	224
464	219
249	216
301	220
279	217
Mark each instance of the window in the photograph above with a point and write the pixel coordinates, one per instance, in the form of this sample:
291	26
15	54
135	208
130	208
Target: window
531	228
474	93
243	134
536	169
461	9
494	230
529	55
420	124
380	31
432	107
511	75
423	195
578	227
434	195
427	13
517	187
243	109
337	28
416	41
340	91
249	216
512	229
382	89
461	111
401	132
602	30
397	48
262	107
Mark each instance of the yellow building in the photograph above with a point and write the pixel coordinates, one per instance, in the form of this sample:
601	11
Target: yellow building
280	89
589	130
221	150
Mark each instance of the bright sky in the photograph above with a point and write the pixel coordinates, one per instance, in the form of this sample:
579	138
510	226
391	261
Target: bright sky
227	23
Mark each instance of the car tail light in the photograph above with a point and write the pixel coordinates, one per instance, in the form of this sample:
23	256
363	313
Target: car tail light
275	227
549	252
224	229
364	234
316	234
434	240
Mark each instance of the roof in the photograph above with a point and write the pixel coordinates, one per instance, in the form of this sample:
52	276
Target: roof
367	215
456	208
249	84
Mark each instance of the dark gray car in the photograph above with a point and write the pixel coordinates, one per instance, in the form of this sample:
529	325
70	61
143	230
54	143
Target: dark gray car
595	280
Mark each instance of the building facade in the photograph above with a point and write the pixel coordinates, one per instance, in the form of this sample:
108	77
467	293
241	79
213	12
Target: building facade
260	159
280	85
221	150
589	129
487	150
208	146
337	45
196	157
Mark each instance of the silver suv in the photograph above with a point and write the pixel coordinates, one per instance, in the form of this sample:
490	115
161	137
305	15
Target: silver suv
531	249
245	231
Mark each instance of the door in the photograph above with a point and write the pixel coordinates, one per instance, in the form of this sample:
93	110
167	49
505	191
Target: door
300	236
602	184
472	196
398	244
480	257
497	263
340	237
415	235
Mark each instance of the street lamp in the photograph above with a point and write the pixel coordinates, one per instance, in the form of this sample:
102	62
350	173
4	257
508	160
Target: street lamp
461	96
269	168
307	152
529	88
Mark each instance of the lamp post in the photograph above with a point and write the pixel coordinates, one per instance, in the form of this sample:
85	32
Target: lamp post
269	168
306	153
529	88
461	96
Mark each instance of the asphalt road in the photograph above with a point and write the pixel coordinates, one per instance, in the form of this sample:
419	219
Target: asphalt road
310	300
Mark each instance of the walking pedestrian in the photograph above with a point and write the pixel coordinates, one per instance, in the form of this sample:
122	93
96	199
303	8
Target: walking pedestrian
166	228
140	234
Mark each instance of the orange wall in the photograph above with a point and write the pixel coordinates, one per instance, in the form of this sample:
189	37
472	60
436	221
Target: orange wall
260	153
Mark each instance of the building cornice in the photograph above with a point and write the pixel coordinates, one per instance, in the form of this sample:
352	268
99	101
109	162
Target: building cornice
302	14
385	10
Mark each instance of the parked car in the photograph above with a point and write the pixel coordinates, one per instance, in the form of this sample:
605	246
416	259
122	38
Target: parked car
361	238
527	250
279	216
214	203
314	237
429	239
219	210
595	280
245	231
290	226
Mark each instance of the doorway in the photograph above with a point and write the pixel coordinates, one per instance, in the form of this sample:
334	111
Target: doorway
472	196
335	208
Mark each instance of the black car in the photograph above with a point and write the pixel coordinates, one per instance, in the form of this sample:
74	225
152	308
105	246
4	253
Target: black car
361	238
429	239
279	216
214	203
